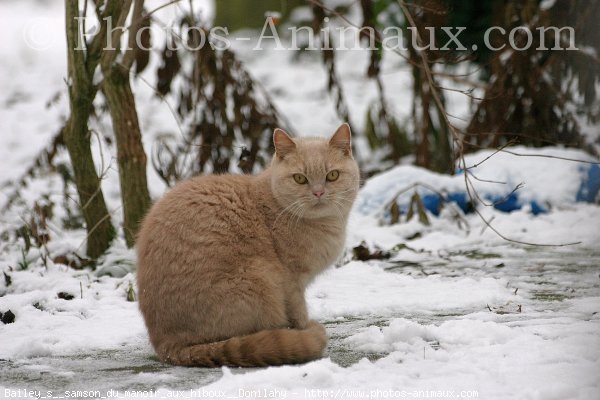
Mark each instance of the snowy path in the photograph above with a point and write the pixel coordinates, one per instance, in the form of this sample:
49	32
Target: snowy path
435	334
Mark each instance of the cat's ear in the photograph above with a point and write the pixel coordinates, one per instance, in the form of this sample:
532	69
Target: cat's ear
283	143
342	139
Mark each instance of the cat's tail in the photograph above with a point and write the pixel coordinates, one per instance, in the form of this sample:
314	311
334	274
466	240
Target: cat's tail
260	349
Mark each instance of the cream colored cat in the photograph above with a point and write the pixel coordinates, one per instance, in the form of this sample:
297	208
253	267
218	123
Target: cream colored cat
223	261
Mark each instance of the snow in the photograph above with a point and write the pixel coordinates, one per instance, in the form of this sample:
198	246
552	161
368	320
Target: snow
422	328
456	310
431	295
100	308
553	182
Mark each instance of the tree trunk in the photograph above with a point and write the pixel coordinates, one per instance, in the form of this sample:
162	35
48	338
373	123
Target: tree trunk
131	157
77	140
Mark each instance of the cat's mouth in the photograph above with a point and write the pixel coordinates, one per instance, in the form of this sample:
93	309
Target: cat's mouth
319	203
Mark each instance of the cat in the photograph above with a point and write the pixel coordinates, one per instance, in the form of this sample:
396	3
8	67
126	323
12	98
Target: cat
223	261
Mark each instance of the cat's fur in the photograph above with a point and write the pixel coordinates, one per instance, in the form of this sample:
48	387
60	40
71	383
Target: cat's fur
223	261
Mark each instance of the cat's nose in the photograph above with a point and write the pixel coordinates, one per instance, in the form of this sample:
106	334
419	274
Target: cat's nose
318	193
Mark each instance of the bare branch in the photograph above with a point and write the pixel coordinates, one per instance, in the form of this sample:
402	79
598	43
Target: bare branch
510	143
485	180
550	156
459	141
504	150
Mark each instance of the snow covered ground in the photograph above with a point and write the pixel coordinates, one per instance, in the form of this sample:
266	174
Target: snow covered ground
454	312
451	311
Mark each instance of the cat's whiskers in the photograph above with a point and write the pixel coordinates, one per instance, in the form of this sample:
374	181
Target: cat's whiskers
338	208
295	210
290	207
293	216
345	200
349	190
300	215
295	220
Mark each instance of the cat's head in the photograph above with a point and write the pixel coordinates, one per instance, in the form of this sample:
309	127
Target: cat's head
315	177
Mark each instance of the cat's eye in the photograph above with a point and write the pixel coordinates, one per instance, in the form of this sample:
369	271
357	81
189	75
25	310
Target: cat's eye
333	175
300	179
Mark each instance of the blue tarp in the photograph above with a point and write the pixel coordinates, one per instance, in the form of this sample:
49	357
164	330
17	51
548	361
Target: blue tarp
588	192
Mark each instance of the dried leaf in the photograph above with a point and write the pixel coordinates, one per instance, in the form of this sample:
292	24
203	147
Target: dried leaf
7	279
169	69
410	212
130	293
421	210
362	253
395	213
65	296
